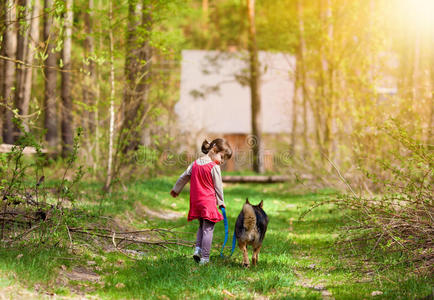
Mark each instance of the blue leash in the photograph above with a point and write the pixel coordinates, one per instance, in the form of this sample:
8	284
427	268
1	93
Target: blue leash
234	240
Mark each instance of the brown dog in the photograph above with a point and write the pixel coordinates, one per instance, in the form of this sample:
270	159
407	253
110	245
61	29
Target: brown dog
250	229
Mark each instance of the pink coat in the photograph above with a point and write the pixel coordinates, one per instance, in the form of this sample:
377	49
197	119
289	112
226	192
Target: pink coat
202	194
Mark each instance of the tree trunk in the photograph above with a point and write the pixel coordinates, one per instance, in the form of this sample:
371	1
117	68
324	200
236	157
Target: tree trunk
67	122
299	84
430	135
22	49
327	77
254	80
137	73
302	75
205	15
27	42
98	80
91	86
10	48
416	76
50	76
90	79
205	7
294	104
112	98
2	63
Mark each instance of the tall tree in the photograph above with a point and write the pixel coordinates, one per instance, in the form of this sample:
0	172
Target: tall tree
301	52
89	67
109	177
91	85
27	42
254	81
67	122
50	76
294	113
300	93
10	48
327	75
205	16
137	73
430	135
2	62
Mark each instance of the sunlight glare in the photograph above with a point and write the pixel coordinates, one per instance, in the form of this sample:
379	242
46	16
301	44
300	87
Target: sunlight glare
418	14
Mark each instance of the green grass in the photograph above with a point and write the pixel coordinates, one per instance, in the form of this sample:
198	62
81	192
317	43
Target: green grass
297	255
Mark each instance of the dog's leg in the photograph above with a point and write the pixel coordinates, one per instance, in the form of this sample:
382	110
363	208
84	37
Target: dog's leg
255	254
243	247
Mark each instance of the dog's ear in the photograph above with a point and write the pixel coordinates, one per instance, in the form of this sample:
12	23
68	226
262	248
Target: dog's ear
247	201
261	203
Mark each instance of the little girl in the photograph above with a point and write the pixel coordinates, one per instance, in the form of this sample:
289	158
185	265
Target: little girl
206	193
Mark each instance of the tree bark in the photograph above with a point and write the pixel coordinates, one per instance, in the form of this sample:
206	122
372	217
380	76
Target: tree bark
205	15
90	76
430	134
67	122
254	80
327	77
107	184
302	75
50	76
10	48
137	73
299	85
22	49
2	63
416	76
27	42
295	104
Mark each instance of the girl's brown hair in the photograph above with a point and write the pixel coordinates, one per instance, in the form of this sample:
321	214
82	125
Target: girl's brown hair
221	145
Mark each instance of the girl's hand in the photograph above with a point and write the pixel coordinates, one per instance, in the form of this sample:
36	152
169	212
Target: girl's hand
173	194
224	206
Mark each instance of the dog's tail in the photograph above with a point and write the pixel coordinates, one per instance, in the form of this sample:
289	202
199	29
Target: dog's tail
249	216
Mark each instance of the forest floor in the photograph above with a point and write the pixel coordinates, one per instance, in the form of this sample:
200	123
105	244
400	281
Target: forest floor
300	258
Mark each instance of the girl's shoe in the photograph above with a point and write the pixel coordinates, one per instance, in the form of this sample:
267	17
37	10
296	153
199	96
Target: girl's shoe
197	254
204	261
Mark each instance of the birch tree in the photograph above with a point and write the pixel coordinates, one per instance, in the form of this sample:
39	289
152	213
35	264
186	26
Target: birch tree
27	42
109	177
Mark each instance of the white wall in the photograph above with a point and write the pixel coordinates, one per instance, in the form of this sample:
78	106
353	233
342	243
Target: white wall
228	109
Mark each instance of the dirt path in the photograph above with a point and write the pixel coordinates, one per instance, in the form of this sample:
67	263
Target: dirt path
15	291
308	283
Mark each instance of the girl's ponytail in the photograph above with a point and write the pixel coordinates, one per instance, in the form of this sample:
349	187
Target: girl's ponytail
221	145
206	147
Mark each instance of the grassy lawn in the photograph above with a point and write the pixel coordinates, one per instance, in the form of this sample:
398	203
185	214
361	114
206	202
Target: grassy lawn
299	258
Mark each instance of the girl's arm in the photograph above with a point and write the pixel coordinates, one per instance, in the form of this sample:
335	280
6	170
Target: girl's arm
218	185
182	181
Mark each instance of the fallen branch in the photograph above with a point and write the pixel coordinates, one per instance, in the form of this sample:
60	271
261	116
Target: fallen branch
69	235
253	179
161	243
21	235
